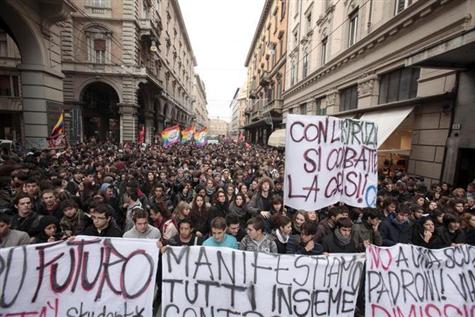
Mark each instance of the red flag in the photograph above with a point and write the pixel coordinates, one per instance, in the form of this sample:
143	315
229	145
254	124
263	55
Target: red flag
141	138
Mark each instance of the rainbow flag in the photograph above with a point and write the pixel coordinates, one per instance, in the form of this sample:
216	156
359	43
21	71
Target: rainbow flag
187	134
171	135
201	137
59	126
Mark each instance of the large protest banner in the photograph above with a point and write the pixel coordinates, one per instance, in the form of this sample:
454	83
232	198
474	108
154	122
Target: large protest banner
407	280
85	277
330	160
200	281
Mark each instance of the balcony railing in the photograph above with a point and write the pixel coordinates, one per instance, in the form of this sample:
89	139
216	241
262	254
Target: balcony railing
100	7
274	105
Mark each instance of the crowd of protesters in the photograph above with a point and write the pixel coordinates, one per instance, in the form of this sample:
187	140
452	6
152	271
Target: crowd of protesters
217	195
220	195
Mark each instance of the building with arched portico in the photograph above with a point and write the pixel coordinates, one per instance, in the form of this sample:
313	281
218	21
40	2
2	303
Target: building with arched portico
31	81
114	67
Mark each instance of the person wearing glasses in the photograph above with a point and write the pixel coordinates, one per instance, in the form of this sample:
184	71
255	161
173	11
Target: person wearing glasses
102	226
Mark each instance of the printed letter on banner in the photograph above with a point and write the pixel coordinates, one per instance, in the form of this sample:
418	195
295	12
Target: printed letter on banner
407	280
87	276
330	160
202	281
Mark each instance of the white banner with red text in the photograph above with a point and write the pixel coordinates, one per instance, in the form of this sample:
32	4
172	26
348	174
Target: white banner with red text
407	280
330	160
87	276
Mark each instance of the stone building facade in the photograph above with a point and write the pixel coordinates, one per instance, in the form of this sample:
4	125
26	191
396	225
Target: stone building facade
217	128
31	81
265	62
128	65
114	67
403	64
238	107
200	111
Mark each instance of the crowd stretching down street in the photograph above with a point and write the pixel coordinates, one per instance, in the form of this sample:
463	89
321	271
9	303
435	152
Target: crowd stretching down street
224	194
220	195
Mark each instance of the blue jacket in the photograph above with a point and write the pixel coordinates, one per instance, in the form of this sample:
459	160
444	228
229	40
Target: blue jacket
229	242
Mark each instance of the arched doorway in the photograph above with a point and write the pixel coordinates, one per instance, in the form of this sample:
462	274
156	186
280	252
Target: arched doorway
100	113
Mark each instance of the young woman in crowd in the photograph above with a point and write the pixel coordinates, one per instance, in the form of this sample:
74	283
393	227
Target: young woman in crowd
297	221
200	216
282	232
48	230
170	227
425	234
238	208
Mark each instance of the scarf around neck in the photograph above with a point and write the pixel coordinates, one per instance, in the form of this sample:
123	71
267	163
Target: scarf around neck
341	239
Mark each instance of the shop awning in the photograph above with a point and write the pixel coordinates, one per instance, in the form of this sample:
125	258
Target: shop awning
405	152
387	121
277	138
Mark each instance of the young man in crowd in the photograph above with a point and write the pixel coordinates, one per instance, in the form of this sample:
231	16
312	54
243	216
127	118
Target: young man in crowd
133	202
305	243
142	229
339	241
399	229
102	226
185	236
26	219
327	225
33	190
50	205
261	202
11	237
234	227
256	239
367	232
219	237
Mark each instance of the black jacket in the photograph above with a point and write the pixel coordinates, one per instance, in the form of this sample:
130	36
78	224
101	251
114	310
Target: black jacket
332	245
111	231
295	246
448	238
218	210
393	232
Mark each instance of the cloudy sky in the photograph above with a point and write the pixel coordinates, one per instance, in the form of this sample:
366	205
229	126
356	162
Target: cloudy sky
221	32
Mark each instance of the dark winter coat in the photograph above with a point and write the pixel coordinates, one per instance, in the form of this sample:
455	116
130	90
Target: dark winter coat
393	232
332	245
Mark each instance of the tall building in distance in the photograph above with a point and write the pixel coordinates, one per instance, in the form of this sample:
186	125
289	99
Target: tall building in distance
238	107
114	67
200	111
217	128
265	62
